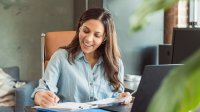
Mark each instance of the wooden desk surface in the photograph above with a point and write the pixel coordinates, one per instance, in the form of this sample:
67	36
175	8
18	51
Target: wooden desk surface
116	108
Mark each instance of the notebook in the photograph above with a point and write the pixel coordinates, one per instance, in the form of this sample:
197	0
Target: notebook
149	84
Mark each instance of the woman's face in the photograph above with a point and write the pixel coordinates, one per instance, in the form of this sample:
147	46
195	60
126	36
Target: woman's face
91	35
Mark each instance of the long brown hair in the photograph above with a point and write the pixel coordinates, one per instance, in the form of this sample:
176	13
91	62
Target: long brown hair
108	49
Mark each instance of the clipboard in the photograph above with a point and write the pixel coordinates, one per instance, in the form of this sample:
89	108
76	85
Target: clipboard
85	110
75	106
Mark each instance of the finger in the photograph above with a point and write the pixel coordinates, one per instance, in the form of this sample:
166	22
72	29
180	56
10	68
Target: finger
126	94
123	94
57	99
128	100
45	103
120	95
54	96
44	99
51	94
48	98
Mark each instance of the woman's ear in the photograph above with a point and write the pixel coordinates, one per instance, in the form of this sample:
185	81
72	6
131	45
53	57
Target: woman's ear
104	40
79	29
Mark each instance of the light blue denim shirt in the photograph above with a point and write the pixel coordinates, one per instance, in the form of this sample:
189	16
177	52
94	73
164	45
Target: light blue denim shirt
77	82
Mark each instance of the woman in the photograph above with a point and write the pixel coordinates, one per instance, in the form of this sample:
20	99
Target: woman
89	68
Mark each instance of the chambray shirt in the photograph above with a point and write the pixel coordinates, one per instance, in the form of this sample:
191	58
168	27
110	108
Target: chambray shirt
77	82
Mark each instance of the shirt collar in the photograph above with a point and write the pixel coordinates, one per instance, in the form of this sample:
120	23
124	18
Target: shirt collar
82	55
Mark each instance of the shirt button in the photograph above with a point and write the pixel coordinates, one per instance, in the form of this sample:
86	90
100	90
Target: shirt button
91	83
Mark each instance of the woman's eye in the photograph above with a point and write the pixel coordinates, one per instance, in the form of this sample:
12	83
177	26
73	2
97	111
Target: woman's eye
85	31
97	36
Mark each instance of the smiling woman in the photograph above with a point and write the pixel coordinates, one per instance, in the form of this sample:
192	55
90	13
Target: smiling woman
91	36
89	68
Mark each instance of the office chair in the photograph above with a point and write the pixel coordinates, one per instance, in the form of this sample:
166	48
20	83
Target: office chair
51	41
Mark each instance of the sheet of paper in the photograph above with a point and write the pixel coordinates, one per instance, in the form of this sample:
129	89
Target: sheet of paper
69	106
109	101
104	101
87	105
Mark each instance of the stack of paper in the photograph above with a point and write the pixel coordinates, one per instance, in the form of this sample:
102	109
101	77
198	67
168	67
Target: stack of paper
82	106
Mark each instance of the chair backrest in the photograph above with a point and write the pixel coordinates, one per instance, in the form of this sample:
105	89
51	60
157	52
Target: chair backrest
51	41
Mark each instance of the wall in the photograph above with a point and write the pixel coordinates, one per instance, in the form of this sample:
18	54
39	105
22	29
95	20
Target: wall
22	23
198	13
81	5
20	27
138	49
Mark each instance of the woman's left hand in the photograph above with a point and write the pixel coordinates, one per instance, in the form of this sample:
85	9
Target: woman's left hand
128	100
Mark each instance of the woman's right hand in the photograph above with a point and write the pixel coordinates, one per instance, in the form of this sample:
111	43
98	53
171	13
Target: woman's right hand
46	98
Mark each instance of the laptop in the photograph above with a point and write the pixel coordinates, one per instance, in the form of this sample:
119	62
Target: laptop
149	84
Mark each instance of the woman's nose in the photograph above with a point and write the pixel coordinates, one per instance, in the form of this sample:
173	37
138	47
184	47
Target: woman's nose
89	37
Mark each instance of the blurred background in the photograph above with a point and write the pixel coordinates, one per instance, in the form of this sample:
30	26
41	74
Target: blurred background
23	21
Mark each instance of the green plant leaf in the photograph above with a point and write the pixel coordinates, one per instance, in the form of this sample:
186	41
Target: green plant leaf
180	90
139	18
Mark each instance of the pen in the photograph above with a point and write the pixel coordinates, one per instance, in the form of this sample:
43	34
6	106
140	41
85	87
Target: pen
46	85
132	93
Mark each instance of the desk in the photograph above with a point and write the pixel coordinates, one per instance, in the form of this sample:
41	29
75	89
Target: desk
117	108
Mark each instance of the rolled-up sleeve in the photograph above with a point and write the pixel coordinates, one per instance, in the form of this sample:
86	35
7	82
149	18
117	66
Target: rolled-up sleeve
51	75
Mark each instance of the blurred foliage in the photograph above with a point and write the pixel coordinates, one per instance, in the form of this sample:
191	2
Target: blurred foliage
139	18
180	90
7	3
